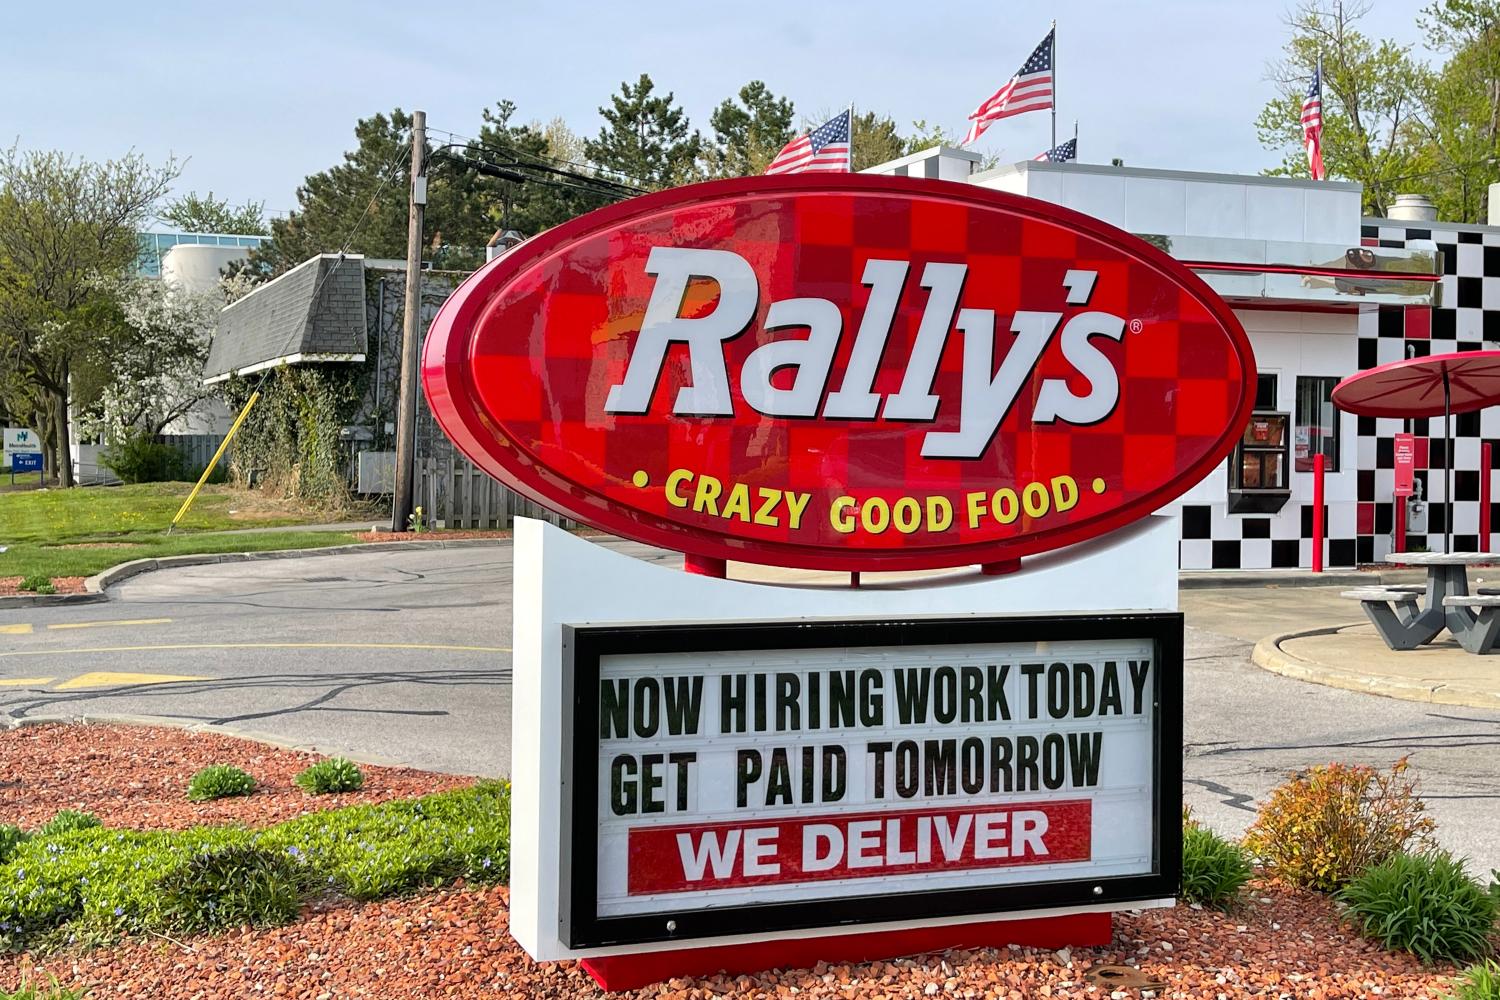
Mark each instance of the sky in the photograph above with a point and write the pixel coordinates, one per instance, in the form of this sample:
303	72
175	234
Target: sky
257	96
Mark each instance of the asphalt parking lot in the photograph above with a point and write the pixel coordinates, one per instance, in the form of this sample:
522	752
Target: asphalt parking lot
405	657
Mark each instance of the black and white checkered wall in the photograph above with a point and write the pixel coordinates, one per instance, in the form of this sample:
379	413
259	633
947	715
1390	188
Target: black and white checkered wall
1360	531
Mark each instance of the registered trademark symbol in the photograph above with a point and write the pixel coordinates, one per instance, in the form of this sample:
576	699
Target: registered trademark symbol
1136	326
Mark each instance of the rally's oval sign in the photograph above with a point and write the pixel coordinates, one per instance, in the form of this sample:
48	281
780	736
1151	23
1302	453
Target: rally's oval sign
841	372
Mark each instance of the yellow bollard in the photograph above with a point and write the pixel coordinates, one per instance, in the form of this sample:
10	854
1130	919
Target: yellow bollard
213	462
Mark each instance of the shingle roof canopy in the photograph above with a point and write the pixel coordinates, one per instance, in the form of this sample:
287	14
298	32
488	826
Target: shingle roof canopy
314	312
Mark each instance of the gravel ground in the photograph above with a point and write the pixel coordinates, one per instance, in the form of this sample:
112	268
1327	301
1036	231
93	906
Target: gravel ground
137	776
455	942
10	586
409	536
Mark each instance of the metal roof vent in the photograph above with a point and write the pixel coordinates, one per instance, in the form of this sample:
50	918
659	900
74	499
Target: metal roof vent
1414	208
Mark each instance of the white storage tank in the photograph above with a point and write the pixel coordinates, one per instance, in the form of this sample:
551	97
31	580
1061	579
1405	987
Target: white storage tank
195	266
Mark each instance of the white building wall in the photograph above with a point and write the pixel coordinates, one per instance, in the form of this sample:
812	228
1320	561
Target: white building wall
1286	344
1169	203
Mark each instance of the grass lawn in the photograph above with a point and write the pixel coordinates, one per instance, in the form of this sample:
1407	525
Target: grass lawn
21	480
79	532
31	559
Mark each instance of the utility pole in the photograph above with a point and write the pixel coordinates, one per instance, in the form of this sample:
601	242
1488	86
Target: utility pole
411	333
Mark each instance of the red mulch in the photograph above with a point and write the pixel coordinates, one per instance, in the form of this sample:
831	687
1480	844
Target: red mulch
427	536
137	776
455	943
10	586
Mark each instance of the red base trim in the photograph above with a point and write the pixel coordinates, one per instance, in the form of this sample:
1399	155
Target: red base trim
632	972
1000	568
705	565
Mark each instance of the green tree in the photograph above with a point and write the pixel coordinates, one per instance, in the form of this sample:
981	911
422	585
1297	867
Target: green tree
1371	101
361	204
555	188
194	213
1461	124
876	139
65	224
926	136
646	138
748	132
156	356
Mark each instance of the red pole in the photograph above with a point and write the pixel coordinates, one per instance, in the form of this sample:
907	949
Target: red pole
1317	539
1400	503
1485	458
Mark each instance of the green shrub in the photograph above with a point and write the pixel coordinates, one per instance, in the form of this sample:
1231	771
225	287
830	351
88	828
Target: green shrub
68	821
231	886
1480	981
40	583
336	774
1323	827
1425	904
1213	869
219	781
11	837
98	883
138	459
52	991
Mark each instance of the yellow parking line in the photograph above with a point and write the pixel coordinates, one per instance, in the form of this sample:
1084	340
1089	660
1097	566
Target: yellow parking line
123	621
260	645
15	629
105	678
16	682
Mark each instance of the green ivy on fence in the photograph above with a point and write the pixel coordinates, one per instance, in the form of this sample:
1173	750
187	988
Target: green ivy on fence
290	442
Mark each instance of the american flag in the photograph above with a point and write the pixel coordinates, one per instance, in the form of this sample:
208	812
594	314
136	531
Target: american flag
826	147
1060	153
1312	125
1029	90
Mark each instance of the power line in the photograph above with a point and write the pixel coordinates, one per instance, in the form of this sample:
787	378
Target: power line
391	168
507	149
571	168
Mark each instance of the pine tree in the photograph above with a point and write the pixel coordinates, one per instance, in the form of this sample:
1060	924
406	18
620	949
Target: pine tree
749	134
646	138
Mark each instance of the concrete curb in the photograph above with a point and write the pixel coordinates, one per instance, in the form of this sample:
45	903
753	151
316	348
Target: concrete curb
49	600
95	587
1215	580
1268	655
255	736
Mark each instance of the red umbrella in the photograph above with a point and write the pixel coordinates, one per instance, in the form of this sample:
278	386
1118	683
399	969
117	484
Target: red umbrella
1440	385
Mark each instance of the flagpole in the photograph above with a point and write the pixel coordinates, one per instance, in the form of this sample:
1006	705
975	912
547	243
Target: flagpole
1054	84
1320	113
851	137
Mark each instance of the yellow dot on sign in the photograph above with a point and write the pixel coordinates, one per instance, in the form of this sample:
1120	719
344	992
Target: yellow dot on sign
1098	486
640	478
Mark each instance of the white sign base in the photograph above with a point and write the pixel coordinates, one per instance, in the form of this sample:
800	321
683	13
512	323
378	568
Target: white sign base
561	579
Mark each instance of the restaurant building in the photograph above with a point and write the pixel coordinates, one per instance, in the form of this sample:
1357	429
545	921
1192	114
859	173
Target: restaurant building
1322	293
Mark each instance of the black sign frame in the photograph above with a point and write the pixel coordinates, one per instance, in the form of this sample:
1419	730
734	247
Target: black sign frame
583	645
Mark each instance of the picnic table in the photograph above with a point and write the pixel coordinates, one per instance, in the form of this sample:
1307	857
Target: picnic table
1409	616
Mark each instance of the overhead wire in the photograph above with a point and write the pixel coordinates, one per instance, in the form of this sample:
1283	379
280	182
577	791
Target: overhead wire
392	167
576	168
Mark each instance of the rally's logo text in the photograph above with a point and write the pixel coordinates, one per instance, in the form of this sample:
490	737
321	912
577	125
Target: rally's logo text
986	395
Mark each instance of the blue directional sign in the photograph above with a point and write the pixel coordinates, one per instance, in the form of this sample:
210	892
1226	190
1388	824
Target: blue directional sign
25	461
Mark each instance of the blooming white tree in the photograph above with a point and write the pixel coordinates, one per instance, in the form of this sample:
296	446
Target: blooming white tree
155	367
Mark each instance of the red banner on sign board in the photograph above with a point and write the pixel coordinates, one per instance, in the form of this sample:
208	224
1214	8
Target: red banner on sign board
841	372
873	845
